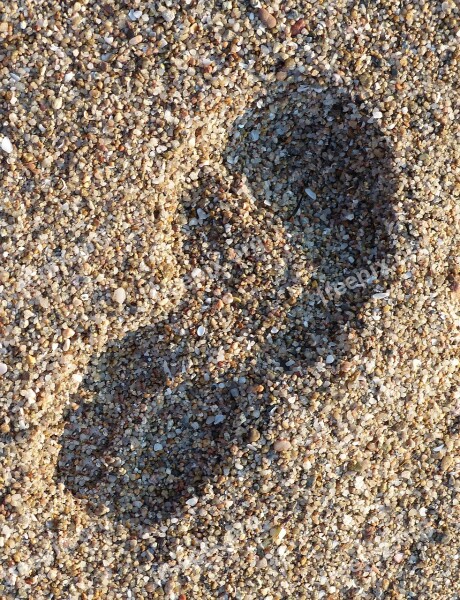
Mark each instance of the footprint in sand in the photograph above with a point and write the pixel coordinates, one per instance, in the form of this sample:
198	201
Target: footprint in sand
149	438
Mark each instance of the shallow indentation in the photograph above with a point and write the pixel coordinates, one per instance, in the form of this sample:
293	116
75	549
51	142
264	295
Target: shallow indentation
154	430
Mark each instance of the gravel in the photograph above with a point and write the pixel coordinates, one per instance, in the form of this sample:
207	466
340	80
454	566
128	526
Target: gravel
229	297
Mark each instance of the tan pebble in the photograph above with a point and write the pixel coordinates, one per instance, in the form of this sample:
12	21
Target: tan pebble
346	366
137	39
282	445
267	19
446	462
227	298
277	533
254	435
67	333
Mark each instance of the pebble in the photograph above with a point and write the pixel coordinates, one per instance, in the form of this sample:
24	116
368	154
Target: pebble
267	18
119	295
278	534
297	27
446	462
254	435
134	41
6	145
282	445
168	15
3	368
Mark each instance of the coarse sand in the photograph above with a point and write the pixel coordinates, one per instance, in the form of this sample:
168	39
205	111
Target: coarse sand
229	294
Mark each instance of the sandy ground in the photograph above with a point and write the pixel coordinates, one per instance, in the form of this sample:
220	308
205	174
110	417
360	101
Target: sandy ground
229	294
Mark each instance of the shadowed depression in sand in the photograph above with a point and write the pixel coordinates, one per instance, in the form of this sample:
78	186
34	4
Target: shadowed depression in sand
148	439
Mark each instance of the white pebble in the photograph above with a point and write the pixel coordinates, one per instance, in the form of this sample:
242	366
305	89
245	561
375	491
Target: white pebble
6	145
134	15
168	15
282	445
192	502
227	298
3	368
157	447
201	331
310	193
119	295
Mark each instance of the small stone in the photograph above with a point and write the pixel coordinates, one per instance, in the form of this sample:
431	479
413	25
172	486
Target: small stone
137	39
227	298
168	15
277	534
23	568
119	295
365	80
67	333
267	19
158	447
3	368
192	501
447	462
282	445
298	26
201	331
254	435
455	289
134	15
6	145
346	366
